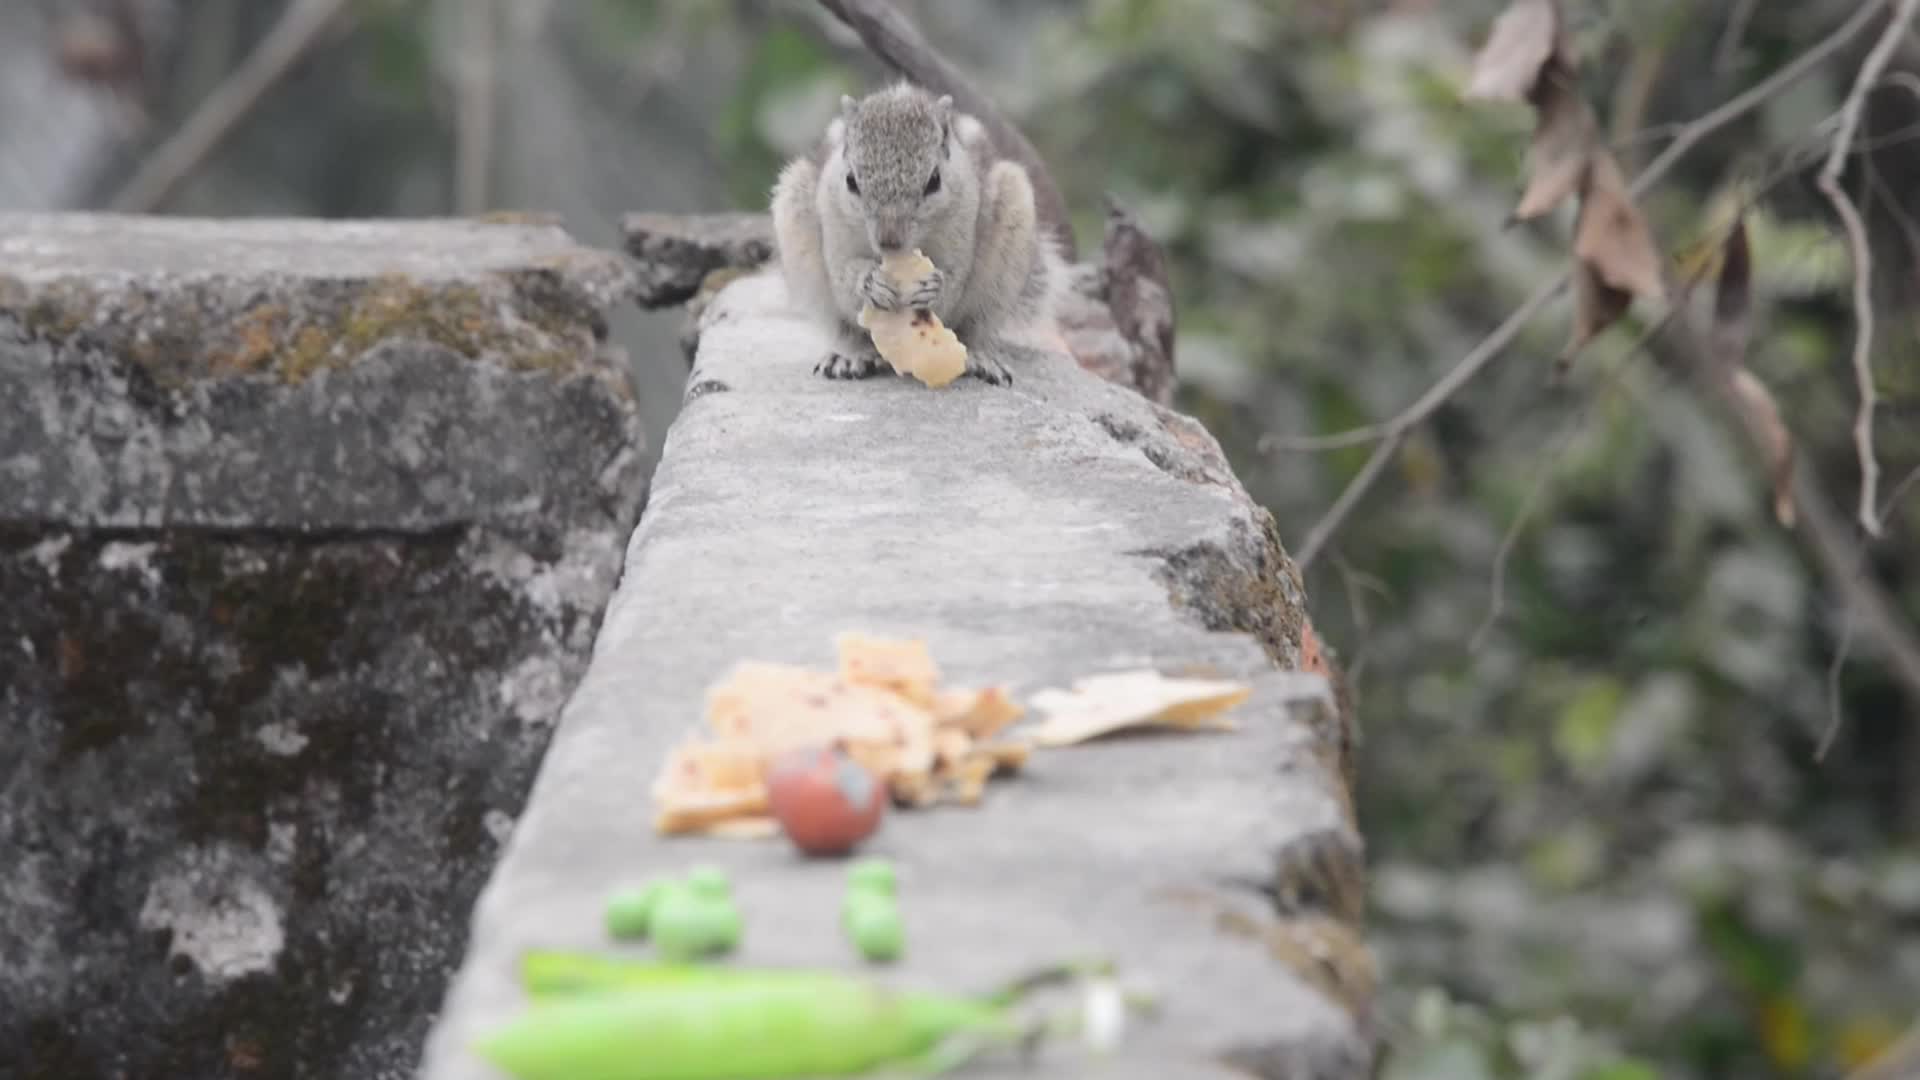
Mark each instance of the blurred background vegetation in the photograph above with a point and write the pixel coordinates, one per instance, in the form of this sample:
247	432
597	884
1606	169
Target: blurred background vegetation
1601	845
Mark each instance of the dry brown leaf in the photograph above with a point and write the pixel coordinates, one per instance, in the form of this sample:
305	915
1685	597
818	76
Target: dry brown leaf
1563	145
1612	235
1104	704
1733	302
1763	416
1524	38
1596	306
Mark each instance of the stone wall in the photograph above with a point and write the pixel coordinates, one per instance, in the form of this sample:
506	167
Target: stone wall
305	532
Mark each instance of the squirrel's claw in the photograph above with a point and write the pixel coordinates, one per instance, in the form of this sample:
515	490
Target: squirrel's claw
988	369
845	366
926	294
878	290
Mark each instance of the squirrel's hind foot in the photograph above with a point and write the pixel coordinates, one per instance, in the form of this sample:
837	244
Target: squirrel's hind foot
840	365
987	369
987	361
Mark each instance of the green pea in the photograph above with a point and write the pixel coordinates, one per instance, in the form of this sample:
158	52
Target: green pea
873	922
630	910
709	883
875	875
724	933
690	921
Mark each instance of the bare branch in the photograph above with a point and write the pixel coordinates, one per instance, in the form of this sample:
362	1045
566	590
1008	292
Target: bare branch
1734	36
176	159
1841	655
1393	433
1829	184
892	37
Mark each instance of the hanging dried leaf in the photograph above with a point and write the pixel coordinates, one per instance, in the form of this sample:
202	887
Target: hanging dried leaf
1596	306
1733	303
1762	415
1612	235
1563	144
1523	40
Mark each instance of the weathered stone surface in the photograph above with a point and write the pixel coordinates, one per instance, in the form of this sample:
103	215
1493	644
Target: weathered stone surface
1031	535
305	533
674	253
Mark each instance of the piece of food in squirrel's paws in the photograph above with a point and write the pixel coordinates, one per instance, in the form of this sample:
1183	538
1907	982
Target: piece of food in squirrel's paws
914	342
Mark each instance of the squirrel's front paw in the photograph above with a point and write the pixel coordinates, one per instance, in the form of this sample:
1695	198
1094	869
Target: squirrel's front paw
877	289
927	293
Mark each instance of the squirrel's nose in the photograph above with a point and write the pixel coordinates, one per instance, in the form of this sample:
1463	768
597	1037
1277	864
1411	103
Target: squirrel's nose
890	237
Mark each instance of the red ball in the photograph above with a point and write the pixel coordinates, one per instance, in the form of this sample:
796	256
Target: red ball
825	801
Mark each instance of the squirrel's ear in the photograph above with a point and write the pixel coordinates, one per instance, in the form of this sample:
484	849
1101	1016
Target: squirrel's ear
943	110
846	105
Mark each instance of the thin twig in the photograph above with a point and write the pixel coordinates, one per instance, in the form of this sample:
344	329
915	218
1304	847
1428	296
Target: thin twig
162	173
1322	444
1899	492
474	121
1393	433
1357	584
1829	184
1841	655
1735	35
1635	95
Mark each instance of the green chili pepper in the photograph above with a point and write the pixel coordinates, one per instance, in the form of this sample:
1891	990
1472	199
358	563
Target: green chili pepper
748	1027
548	973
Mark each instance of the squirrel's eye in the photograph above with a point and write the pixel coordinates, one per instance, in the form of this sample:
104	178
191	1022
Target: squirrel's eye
851	186
933	182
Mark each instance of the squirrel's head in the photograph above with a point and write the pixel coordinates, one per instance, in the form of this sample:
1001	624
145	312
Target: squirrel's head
900	163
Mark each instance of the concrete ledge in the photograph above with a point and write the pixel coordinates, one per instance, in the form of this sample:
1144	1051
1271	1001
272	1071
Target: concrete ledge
1036	534
305	534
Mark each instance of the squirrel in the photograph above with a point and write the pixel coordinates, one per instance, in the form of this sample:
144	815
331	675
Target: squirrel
900	170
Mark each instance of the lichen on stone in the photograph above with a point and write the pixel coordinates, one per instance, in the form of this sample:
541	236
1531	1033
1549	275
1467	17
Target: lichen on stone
180	330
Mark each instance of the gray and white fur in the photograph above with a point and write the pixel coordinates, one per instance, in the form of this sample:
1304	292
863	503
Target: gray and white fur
898	170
